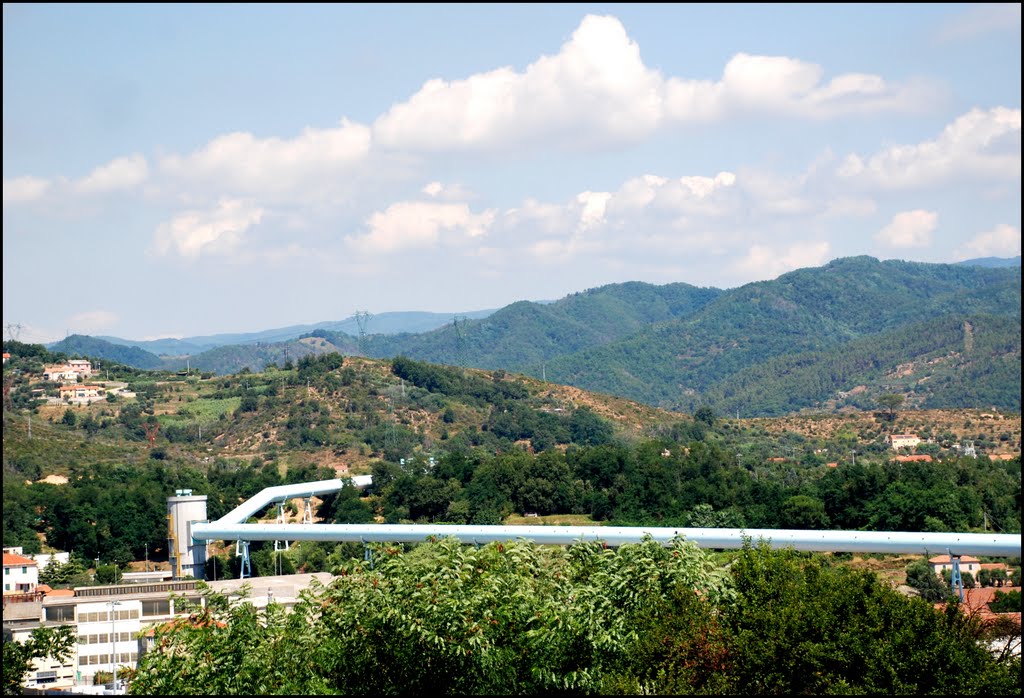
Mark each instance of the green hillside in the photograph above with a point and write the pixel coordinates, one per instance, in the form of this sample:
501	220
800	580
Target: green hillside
803	340
94	348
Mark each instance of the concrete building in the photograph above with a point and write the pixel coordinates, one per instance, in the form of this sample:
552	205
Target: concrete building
125	636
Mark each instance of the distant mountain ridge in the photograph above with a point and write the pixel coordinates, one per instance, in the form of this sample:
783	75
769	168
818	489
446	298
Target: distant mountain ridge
992	262
816	338
383	323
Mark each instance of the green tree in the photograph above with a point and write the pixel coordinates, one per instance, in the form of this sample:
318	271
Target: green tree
1005	602
56	643
922	577
705	415
802	625
891	402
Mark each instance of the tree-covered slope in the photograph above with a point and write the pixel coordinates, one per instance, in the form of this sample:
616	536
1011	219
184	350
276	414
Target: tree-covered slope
94	348
524	335
680	364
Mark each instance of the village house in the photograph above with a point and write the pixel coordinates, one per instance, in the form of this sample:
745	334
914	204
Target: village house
899	441
59	373
21	574
81	366
941	563
80	392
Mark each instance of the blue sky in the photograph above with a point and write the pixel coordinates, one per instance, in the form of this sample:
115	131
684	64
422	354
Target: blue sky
181	170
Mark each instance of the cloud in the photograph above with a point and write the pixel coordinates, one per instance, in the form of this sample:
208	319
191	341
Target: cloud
242	162
909	229
23	189
418	224
217	232
784	85
448	192
1003	241
93	321
122	173
596	92
980	20
979	143
762	262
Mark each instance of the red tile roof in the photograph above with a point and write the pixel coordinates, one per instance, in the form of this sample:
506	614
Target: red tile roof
945	559
11	560
976	603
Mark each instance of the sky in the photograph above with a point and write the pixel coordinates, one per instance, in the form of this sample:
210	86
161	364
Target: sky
186	170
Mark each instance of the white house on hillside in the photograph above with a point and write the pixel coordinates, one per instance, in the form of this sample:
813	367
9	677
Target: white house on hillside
899	441
21	574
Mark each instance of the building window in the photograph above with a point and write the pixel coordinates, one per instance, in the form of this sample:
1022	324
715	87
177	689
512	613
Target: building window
61	614
156	608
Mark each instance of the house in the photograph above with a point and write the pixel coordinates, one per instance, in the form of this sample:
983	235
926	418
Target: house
59	373
81	367
80	392
941	563
899	441
7	356
21	574
920	458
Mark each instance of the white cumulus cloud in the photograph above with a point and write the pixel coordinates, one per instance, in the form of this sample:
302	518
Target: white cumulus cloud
1003	241
242	162
763	262
909	229
217	232
21	189
419	224
979	143
597	91
122	173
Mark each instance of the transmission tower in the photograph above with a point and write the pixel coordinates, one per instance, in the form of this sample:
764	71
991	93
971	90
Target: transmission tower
362	319
459	325
13	331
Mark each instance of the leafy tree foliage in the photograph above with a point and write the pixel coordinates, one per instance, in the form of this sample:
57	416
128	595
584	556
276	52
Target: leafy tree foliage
517	618
922	577
55	642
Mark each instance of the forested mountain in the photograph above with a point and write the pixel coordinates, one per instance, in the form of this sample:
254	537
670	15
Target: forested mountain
810	313
822	337
521	336
95	348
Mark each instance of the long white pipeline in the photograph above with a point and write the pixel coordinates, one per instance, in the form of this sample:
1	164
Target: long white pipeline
231	527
